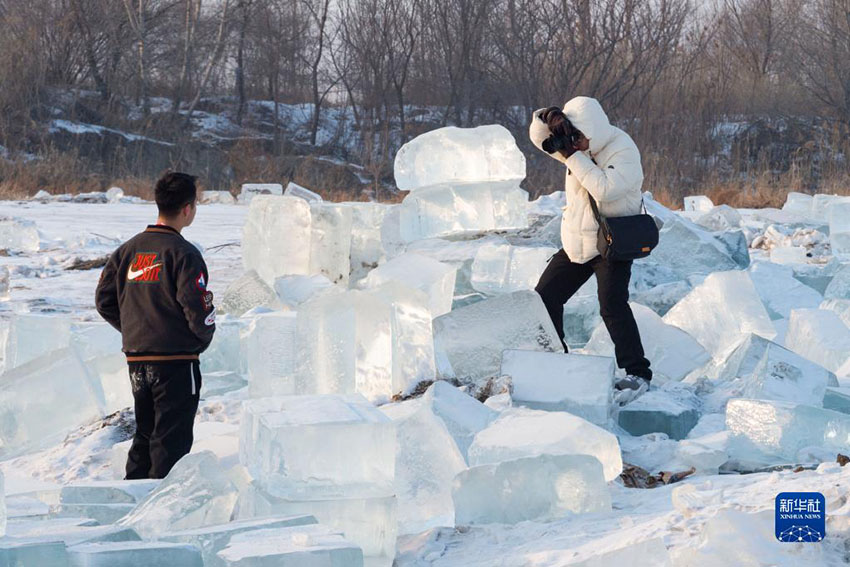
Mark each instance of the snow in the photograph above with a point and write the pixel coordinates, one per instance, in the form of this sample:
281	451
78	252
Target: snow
82	128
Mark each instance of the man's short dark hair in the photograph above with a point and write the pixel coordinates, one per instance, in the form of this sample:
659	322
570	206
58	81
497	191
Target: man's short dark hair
174	191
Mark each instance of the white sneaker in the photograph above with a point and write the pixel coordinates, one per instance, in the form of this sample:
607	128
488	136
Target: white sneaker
629	389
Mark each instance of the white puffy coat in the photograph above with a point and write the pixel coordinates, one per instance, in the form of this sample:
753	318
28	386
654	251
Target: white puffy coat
614	180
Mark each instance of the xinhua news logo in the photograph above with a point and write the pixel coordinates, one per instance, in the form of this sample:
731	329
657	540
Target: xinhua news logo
800	517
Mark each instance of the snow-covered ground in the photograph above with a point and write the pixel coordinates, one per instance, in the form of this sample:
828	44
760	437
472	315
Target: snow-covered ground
743	314
71	231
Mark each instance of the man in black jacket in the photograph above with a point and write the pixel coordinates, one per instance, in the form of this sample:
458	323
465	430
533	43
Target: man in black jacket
154	291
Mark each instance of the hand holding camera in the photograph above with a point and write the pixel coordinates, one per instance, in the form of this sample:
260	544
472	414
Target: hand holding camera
565	137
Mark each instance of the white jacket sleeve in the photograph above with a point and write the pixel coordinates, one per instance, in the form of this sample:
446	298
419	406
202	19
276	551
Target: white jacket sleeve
538	131
623	173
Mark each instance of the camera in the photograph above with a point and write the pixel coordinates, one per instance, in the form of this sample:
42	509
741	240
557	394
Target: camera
564	134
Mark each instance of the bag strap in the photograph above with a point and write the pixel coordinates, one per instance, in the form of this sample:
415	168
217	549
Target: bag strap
594	207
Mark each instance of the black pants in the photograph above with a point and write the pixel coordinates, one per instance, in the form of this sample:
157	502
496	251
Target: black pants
166	398
562	278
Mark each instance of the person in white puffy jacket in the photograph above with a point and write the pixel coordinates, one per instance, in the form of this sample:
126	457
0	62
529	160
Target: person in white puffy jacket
602	161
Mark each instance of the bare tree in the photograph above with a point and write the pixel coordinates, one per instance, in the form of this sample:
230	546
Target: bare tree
823	54
318	12
137	16
218	50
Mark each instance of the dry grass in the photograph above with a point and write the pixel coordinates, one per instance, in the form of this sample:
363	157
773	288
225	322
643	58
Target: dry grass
62	172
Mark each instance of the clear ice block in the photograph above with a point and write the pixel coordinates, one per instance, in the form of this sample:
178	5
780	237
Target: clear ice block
18	235
367	251
276	235
574	383
107	491
457	253
780	429
822	205
295	290
721	217
251	190
330	241
463	415
817	277
520	432
788	255
722	310
506	268
212	539
427	460
441	210
780	291
472	338
839	227
671	409
673	352
32	336
434	278
819	335
295	190
837	399
450	154
698	203
545	487
30	395
133	554
688	249
368	521
785	375
377	342
196	493
839	287
299	546
798	204
314	446
245	293
270	354
840	306
225	351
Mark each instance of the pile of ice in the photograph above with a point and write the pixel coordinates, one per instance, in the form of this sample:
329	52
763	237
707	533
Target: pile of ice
459	180
396	378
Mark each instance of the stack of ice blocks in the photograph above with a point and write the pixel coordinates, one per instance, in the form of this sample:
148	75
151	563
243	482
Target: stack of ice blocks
460	180
377	342
287	235
330	456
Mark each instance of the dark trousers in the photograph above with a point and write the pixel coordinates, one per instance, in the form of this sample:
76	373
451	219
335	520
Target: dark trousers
166	398
562	278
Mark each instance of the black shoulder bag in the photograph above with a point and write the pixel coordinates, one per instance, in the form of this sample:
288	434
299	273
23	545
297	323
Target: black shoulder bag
625	238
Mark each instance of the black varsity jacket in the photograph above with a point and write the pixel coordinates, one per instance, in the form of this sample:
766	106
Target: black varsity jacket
154	291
